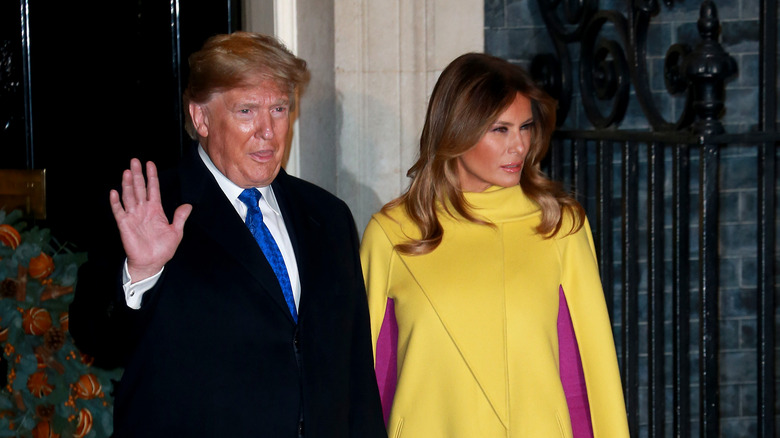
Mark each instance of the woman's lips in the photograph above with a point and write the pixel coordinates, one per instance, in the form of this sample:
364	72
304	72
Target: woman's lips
513	167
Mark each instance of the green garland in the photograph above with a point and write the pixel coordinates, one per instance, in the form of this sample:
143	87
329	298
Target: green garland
49	388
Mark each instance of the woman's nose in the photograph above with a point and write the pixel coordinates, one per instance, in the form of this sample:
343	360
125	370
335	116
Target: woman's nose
520	142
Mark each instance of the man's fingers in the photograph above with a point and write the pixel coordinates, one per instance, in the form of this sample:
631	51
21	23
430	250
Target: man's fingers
152	182
128	193
139	182
180	216
116	206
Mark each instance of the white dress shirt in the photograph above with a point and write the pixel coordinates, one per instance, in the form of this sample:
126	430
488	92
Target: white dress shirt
272	218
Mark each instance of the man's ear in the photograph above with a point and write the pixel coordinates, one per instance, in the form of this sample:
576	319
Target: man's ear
200	119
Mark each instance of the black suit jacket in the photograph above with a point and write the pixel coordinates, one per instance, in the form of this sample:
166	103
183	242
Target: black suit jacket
214	351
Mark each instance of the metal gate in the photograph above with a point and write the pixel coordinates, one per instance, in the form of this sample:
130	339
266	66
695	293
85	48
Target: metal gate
679	211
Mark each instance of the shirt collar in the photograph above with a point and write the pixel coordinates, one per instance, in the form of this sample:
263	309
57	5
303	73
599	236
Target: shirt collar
232	191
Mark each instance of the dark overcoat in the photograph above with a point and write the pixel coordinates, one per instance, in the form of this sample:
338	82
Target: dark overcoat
214	351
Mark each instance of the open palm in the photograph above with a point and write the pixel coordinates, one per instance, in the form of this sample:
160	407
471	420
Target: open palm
149	240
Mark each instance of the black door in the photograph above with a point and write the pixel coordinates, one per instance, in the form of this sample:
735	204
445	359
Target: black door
85	86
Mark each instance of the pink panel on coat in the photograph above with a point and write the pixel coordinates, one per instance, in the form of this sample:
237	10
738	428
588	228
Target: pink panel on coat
572	376
386	358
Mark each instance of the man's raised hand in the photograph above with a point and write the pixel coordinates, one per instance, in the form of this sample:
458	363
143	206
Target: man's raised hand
149	240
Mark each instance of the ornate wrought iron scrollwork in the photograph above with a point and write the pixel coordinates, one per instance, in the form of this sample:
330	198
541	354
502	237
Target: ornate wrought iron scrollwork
576	14
613	57
604	72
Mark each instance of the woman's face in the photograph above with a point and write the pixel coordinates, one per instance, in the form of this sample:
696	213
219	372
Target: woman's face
498	157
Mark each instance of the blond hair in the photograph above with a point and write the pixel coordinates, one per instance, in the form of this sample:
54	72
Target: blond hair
231	60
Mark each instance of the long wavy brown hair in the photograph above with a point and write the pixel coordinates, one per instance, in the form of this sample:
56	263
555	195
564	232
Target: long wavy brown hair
469	96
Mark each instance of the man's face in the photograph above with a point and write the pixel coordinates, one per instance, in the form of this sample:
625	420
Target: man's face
244	131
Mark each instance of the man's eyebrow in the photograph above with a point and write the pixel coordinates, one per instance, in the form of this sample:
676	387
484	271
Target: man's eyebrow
244	104
252	103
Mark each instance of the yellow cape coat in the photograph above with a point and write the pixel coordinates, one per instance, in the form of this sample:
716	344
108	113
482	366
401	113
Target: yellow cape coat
477	323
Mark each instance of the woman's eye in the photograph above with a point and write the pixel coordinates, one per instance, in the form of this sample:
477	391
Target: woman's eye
500	129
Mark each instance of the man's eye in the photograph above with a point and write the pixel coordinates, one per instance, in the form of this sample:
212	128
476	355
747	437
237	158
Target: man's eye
244	111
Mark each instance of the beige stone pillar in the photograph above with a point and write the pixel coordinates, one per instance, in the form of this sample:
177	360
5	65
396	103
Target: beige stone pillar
388	55
373	63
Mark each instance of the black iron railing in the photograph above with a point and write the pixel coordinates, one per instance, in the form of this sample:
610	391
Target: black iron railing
657	206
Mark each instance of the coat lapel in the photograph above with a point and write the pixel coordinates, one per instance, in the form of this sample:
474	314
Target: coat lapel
216	217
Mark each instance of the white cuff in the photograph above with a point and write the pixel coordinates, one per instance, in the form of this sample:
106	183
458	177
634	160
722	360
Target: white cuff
135	291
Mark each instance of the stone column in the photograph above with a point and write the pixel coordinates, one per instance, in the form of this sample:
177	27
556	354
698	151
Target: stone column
387	58
373	66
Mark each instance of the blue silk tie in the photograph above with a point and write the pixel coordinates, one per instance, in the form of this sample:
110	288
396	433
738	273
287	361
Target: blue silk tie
254	220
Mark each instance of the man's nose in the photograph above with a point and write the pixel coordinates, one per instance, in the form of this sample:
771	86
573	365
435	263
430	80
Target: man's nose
265	128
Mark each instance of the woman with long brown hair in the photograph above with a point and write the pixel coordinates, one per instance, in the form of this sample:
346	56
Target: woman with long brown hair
483	268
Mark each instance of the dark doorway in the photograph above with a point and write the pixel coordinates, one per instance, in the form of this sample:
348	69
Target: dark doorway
88	85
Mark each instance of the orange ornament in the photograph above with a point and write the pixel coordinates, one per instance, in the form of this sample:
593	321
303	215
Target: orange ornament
38	384
41	266
84	425
88	387
9	236
36	321
44	430
4	334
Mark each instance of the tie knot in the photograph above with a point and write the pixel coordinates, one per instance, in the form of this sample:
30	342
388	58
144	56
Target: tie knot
250	197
